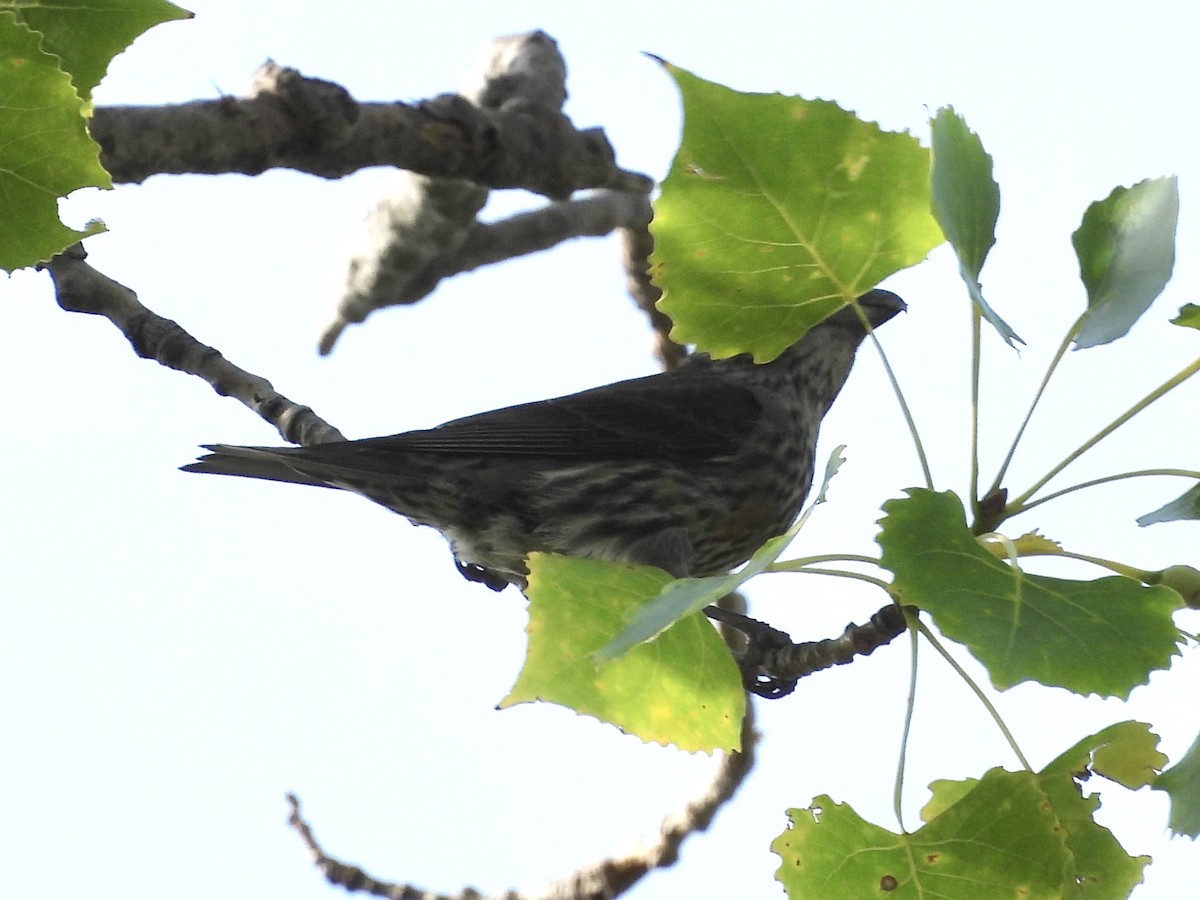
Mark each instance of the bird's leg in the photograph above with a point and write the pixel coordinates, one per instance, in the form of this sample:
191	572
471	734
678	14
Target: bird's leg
761	639
773	663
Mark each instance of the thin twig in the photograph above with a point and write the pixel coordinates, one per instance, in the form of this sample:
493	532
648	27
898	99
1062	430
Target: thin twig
605	880
80	288
637	244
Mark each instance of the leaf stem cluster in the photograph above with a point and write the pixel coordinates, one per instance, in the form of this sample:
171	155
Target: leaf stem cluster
1024	502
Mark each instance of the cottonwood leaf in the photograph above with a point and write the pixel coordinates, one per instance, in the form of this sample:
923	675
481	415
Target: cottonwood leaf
1189	316
997	840
1182	783
777	212
1126	753
966	203
1103	636
681	688
1185	506
1102	868
1126	250
46	152
86	34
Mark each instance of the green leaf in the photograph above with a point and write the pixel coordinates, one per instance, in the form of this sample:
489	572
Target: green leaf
1126	753
1101	866
687	596
690	595
1000	839
1126	250
1103	636
1182	783
1186	506
943	794
1103	869
966	203
46	152
86	34
682	688
777	212
1189	316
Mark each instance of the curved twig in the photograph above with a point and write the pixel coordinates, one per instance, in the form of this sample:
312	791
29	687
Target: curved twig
636	245
604	880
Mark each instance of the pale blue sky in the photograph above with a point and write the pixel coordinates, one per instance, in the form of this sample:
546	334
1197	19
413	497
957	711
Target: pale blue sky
179	652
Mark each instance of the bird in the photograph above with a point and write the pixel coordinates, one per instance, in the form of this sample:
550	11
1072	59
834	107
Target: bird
690	470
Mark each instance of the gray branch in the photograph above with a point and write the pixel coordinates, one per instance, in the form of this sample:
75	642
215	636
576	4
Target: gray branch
416	233
605	880
505	130
485	244
80	288
636	246
293	122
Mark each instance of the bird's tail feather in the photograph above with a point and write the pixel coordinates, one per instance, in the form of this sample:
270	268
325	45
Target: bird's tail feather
269	463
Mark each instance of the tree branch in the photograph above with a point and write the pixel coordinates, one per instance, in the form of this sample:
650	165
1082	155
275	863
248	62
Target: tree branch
293	122
772	663
426	228
602	881
425	217
506	130
80	288
636	246
485	244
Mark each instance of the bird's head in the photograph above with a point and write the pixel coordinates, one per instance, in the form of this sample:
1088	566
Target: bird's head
874	308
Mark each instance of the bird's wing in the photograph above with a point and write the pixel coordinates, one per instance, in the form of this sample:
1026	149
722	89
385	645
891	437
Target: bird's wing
657	416
700	416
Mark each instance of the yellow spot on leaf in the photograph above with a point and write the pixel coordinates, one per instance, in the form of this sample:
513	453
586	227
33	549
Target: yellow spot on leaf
854	167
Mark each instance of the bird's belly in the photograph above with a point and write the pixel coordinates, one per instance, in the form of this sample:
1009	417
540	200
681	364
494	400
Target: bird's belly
617	514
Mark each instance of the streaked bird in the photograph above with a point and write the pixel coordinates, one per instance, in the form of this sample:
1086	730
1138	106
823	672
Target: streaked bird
689	470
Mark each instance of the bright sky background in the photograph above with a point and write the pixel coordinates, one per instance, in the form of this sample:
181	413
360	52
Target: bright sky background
179	652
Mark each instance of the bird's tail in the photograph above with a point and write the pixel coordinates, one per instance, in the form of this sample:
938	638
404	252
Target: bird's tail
269	463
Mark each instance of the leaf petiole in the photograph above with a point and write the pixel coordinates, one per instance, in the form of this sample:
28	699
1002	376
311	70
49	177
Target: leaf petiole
978	691
1062	349
1140	473
906	412
1019	504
